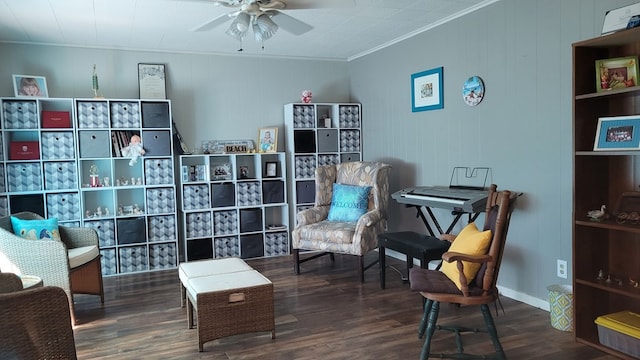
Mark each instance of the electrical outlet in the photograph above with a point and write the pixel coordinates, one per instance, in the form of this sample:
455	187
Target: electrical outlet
562	269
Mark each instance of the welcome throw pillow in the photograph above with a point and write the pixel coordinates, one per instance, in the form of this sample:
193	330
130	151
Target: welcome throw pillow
348	203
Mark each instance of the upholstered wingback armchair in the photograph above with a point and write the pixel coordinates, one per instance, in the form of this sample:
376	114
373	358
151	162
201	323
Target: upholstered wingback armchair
315	232
72	264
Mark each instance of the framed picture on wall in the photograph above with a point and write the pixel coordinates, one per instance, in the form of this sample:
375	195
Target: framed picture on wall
151	80
427	92
30	86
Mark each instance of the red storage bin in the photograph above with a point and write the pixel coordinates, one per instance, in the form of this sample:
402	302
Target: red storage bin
24	150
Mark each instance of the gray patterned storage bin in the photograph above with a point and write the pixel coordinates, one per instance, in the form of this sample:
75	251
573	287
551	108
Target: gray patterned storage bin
20	114
350	140
327	160
198	224
349	116
3	185
161	228
195	197
60	175
303	116
305	167
108	261
276	244
106	230
227	247
133	258
162	256
161	200
24	177
93	114
158	171
1	149
57	145
64	206
69	223
225	222
125	115
4	206
249	193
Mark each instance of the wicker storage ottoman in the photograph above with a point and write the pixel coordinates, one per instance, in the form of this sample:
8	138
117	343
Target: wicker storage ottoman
229	304
193	269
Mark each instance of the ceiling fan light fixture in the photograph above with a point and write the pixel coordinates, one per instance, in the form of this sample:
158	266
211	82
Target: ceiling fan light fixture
264	28
242	22
234	29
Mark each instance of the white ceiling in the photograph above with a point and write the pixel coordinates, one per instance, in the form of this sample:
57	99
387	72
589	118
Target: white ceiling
345	30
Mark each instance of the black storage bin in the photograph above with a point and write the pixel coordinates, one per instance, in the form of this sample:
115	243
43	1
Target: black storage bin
250	220
251	246
155	115
33	203
131	231
305	192
273	192
304	141
199	249
223	194
156	142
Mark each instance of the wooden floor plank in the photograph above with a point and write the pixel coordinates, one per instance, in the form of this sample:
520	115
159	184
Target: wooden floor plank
324	313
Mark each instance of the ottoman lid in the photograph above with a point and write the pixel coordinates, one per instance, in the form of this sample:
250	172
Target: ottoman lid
221	282
192	269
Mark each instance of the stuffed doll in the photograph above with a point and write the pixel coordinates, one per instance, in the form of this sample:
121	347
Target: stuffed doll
133	150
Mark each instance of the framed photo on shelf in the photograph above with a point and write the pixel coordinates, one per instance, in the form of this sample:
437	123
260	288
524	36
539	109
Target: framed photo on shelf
617	73
30	86
427	91
618	133
271	169
151	80
268	140
221	172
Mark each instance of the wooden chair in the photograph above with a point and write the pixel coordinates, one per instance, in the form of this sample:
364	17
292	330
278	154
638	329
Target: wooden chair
36	324
315	232
437	288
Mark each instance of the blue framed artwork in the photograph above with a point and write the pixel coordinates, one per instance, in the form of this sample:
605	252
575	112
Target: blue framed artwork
427	92
618	133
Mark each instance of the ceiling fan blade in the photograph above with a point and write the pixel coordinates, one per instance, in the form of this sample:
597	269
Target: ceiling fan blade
210	24
290	24
316	4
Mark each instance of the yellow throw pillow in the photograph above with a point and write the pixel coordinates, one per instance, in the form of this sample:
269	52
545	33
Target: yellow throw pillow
470	241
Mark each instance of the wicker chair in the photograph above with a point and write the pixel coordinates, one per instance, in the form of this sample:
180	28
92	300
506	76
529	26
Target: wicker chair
49	259
36	324
314	232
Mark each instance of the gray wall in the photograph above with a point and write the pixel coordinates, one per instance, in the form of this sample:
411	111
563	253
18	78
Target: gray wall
521	130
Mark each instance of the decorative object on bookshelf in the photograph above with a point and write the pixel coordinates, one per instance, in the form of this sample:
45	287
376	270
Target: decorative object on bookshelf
151	79
271	169
221	172
229	146
619	19
617	133
30	86
598	215
427	92
616	73
244	172
133	150
306	96
268	140
95	87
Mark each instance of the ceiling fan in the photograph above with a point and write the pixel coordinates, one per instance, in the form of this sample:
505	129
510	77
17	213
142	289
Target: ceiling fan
264	17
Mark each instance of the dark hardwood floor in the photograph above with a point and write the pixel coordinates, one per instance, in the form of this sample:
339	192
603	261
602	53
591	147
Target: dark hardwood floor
324	313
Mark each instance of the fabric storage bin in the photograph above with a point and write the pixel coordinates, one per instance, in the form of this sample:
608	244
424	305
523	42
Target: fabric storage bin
305	167
3	184
305	191
276	244
225	222
327	140
60	175
199	249
349	116
161	200
198	224
251	246
24	150
195	197
249	193
64	206
56	119
620	331
125	114
162	256
4	206
349	157
156	142
304	141
155	115
94	143
57	145
158	171
93	114
273	192
109	261
27	202
328	160
131	231
227	247
133	258
250	220
20	114
350	140
24	177
106	230
223	194
1	149
161	228
303	116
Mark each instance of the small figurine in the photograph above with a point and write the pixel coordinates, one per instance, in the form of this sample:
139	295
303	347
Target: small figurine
106	181
98	211
120	210
117	182
106	211
133	150
87	214
598	215
600	275
133	181
139	181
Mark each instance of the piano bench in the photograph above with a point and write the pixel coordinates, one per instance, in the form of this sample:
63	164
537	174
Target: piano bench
414	245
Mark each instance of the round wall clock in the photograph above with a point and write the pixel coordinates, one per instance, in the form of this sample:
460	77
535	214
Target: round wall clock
473	91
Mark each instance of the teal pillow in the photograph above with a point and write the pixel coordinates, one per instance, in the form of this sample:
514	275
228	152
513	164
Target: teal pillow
36	229
348	202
